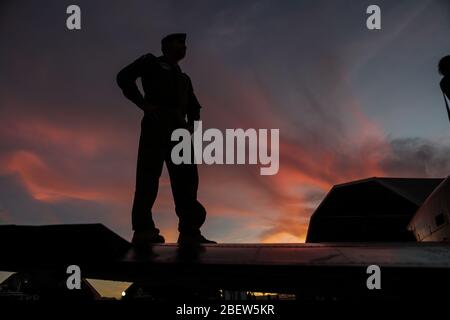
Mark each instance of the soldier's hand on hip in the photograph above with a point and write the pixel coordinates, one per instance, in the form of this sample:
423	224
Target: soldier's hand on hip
190	127
148	107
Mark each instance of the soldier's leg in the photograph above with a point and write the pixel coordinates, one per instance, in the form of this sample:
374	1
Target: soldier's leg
150	161
184	183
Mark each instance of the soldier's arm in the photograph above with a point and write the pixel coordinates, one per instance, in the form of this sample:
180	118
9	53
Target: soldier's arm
445	86
126	79
193	111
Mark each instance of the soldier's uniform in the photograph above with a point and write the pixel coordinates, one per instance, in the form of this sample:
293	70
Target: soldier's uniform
445	87
170	90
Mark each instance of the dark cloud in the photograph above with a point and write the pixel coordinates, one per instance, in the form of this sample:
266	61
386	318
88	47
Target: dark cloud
21	208
418	157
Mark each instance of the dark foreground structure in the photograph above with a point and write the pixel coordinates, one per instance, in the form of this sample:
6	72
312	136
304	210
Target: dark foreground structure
337	271
374	209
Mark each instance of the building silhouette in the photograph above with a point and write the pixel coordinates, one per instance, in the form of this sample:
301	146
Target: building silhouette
369	210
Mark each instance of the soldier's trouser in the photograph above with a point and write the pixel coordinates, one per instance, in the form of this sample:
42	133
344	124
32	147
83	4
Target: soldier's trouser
155	148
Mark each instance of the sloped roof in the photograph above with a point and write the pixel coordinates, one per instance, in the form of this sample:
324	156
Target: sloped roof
415	190
373	209
69	243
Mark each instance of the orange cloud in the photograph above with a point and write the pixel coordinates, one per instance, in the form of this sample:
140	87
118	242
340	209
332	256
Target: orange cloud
56	163
42	182
88	141
294	236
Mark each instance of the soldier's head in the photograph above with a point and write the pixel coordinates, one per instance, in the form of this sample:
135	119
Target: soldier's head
173	46
444	66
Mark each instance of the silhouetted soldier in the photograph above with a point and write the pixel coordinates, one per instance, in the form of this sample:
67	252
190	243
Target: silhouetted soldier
168	100
444	69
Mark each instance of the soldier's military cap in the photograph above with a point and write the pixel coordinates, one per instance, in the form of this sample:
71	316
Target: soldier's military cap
171	37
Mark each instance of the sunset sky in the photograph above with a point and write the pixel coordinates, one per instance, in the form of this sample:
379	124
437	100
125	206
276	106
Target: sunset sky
350	104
